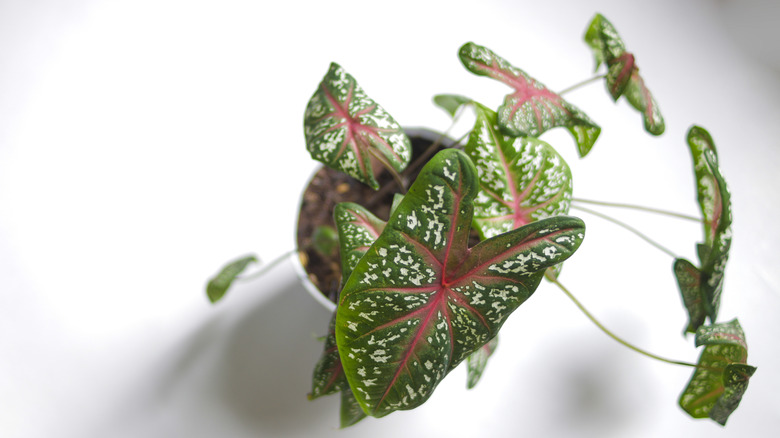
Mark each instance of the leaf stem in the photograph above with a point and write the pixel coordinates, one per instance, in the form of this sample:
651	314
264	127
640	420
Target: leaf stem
386	164
582	84
598	324
639	207
267	267
629	228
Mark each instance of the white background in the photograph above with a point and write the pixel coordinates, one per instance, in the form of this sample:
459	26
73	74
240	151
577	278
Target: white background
144	143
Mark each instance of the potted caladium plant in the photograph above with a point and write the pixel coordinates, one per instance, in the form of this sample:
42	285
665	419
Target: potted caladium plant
426	246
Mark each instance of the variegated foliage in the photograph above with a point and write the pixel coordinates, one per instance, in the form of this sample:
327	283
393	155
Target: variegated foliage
329	379
722	374
522	179
348	131
420	300
358	229
701	287
531	109
622	76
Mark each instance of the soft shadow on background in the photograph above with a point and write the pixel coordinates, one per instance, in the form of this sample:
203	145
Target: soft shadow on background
144	143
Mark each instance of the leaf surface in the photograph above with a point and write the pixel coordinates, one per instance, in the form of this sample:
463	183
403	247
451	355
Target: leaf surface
532	108
218	285
420	300
358	229
348	131
522	179
451	103
622	78
715	203
328	378
477	362
689	281
721	379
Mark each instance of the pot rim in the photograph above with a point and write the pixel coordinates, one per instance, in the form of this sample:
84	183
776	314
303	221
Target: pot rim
419	132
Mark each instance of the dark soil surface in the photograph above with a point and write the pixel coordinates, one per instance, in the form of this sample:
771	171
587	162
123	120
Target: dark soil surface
327	188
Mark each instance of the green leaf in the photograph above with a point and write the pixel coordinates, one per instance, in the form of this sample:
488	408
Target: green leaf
349	132
722	375
420	300
522	179
218	285
531	109
622	76
328	378
325	240
604	41
715	202
358	229
351	412
689	281
477	362
451	102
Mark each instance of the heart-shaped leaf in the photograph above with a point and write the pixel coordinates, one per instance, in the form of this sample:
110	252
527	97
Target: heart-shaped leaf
531	109
522	179
451	102
329	378
715	202
349	132
358	229
218	285
622	76
420	300
722	374
477	362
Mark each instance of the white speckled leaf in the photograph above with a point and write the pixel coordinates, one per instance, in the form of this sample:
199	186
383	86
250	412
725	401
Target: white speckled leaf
622	77
348	131
522	179
715	203
531	109
358	229
420	300
722	376
328	378
689	282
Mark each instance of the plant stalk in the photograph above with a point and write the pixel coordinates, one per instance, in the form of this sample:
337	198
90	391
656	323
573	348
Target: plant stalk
582	84
612	335
267	267
639	207
629	228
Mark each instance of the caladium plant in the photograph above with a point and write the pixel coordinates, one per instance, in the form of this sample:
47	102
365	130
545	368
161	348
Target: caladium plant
429	284
622	75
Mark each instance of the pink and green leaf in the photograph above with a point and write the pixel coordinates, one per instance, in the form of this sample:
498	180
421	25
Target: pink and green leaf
531	108
420	300
329	378
348	131
358	229
622	78
722	374
477	361
522	179
715	203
